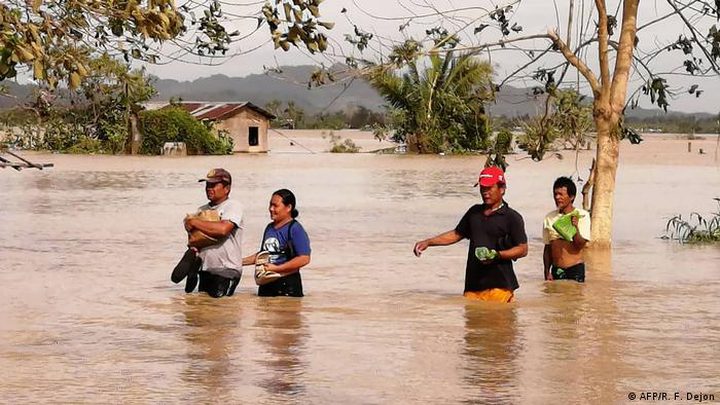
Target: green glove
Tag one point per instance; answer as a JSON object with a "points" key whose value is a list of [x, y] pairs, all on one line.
{"points": [[483, 253]]}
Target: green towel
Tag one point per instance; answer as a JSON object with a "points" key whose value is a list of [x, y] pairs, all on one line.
{"points": [[564, 226], [483, 253]]}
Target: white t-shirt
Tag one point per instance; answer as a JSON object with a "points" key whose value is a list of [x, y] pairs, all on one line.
{"points": [[226, 254], [550, 234]]}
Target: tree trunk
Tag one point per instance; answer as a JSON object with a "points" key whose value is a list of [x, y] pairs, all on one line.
{"points": [[135, 136], [608, 150]]}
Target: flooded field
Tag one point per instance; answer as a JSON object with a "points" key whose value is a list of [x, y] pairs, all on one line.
{"points": [[89, 314]]}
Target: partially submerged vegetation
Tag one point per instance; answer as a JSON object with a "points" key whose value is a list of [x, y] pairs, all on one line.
{"points": [[104, 114], [696, 229], [337, 145]]}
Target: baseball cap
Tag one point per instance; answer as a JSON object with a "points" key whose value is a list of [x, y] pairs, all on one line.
{"points": [[218, 175], [489, 176]]}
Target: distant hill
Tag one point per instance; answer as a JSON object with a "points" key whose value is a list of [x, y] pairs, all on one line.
{"points": [[290, 84], [18, 94]]}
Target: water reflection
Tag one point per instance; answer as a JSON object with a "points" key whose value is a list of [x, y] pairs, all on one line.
{"points": [[211, 326], [491, 349], [579, 342], [283, 337]]}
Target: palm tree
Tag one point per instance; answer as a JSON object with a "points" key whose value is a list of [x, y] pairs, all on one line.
{"points": [[438, 109]]}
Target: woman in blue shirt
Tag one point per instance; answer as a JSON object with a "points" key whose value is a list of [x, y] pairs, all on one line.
{"points": [[288, 244]]}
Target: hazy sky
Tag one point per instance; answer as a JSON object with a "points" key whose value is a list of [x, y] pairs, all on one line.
{"points": [[384, 17]]}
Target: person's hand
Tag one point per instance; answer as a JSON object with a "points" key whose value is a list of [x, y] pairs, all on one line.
{"points": [[420, 247], [187, 222], [574, 220], [271, 267]]}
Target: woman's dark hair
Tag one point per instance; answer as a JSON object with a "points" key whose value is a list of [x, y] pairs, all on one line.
{"points": [[567, 183], [288, 198]]}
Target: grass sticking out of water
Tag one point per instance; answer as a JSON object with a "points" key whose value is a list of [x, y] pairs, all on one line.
{"points": [[696, 229]]}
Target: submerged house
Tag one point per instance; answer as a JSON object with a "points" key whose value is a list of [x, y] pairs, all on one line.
{"points": [[245, 122]]}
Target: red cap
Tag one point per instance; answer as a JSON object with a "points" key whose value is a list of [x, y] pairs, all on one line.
{"points": [[489, 176]]}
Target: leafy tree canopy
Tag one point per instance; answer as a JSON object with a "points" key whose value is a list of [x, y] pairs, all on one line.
{"points": [[54, 39]]}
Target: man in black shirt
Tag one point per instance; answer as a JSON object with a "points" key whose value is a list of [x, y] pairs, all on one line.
{"points": [[497, 228]]}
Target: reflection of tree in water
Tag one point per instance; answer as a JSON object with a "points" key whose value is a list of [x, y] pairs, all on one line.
{"points": [[211, 327], [490, 353], [283, 337]]}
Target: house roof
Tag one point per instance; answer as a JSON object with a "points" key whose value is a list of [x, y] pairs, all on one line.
{"points": [[218, 111]]}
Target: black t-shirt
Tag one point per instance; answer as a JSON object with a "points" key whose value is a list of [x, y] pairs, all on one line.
{"points": [[501, 230]]}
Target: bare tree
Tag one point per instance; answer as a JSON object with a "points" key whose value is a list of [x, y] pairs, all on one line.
{"points": [[618, 61]]}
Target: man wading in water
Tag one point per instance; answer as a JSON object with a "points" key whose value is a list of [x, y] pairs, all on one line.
{"points": [[216, 257], [562, 256], [497, 237]]}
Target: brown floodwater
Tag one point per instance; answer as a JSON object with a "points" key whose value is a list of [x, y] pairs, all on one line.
{"points": [[89, 314]]}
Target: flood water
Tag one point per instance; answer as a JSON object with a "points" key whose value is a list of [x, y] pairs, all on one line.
{"points": [[89, 314]]}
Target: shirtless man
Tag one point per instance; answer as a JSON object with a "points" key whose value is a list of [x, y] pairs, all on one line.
{"points": [[562, 259]]}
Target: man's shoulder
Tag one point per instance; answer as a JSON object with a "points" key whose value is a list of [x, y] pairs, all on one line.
{"points": [[229, 205], [475, 209], [510, 211], [583, 213], [552, 214]]}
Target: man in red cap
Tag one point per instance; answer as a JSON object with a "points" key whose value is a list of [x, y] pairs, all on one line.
{"points": [[497, 237]]}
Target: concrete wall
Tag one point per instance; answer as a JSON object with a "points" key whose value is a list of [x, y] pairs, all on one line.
{"points": [[239, 128]]}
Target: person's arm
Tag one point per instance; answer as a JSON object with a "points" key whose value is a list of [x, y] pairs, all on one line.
{"points": [[248, 260], [444, 239], [215, 229], [518, 236], [290, 266], [547, 262], [514, 252], [577, 241]]}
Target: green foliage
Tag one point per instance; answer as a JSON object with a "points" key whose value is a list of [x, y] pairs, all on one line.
{"points": [[566, 125], [697, 229], [338, 146], [538, 137], [503, 142], [440, 108], [55, 39], [675, 124], [96, 120], [573, 119], [292, 116], [174, 124], [501, 145]]}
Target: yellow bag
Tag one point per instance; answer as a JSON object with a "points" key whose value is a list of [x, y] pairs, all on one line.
{"points": [[197, 238]]}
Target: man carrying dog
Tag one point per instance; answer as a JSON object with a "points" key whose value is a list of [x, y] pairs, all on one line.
{"points": [[218, 251]]}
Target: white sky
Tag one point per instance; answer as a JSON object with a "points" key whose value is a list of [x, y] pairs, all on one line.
{"points": [[383, 18]]}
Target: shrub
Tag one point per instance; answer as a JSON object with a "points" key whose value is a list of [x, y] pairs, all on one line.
{"points": [[347, 146], [174, 124]]}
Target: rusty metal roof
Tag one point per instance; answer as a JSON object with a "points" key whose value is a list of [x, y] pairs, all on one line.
{"points": [[219, 111]]}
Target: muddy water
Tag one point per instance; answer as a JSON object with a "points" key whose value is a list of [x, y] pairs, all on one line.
{"points": [[89, 314]]}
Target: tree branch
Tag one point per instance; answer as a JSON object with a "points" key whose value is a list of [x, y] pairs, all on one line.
{"points": [[603, 38], [575, 61], [692, 29], [500, 43], [625, 51]]}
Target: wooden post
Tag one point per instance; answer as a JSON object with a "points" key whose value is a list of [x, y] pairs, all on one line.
{"points": [[586, 188], [135, 137], [689, 146]]}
